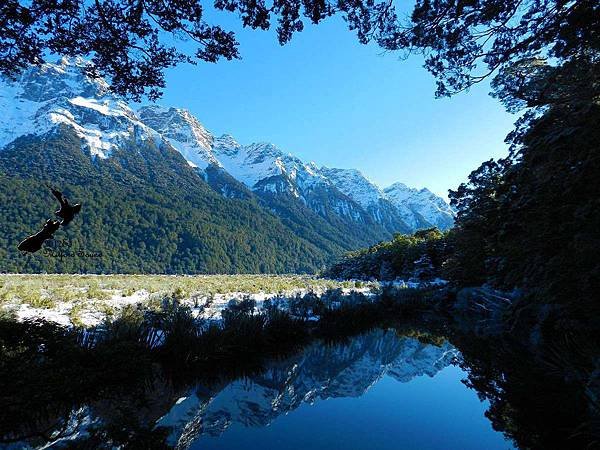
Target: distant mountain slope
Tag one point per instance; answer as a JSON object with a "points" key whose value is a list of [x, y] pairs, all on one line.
{"points": [[162, 194], [354, 184], [297, 191], [145, 210], [262, 167], [420, 208]]}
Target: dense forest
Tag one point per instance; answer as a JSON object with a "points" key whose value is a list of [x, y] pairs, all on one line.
{"points": [[419, 256], [528, 222], [144, 211]]}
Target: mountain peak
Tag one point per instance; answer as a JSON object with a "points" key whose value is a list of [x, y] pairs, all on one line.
{"points": [[183, 131], [226, 145], [51, 95], [355, 185], [257, 163], [396, 186], [423, 203]]}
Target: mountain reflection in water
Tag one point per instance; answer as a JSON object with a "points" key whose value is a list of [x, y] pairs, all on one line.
{"points": [[320, 372], [407, 387]]}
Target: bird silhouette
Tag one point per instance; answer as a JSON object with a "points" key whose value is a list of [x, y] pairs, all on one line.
{"points": [[34, 242], [66, 211]]}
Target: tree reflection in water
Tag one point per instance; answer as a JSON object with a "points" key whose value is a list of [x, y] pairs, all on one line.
{"points": [[57, 390]]}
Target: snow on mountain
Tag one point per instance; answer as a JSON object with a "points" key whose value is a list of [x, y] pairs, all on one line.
{"points": [[367, 194], [248, 164], [416, 208], [255, 162], [45, 97], [183, 131], [420, 203], [53, 95], [319, 373], [355, 185], [263, 167]]}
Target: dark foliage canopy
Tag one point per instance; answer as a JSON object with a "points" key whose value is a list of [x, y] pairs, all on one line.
{"points": [[132, 42], [531, 220], [466, 41]]}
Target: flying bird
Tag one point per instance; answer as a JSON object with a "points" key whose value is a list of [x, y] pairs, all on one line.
{"points": [[34, 242], [67, 211]]}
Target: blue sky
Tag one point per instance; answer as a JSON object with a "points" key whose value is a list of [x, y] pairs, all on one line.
{"points": [[326, 98]]}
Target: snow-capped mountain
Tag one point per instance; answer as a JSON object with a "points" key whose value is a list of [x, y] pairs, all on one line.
{"points": [[419, 206], [264, 168], [319, 373], [261, 167], [183, 131], [54, 95], [330, 210], [367, 194], [64, 129]]}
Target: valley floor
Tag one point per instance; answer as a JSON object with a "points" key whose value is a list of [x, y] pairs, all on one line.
{"points": [[86, 300]]}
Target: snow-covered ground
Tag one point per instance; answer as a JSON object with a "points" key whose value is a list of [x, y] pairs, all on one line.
{"points": [[88, 313], [210, 307], [413, 284], [93, 312]]}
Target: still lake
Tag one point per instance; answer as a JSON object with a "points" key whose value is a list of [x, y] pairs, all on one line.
{"points": [[374, 391]]}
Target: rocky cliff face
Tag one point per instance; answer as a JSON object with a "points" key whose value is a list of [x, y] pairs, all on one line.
{"points": [[420, 207], [45, 98]]}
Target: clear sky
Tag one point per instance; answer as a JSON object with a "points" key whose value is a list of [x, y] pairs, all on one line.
{"points": [[326, 98]]}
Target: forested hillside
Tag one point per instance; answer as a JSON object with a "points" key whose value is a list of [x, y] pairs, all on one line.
{"points": [[145, 210], [528, 222], [419, 256]]}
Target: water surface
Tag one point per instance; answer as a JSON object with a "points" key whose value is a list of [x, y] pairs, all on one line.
{"points": [[377, 391], [417, 386]]}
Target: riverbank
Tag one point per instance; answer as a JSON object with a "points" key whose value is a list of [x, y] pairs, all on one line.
{"points": [[119, 385], [46, 368], [88, 300], [52, 371]]}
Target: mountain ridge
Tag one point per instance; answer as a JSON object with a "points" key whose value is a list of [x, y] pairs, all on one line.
{"points": [[255, 162], [66, 128]]}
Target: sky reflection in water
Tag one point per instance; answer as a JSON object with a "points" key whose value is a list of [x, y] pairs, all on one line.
{"points": [[376, 391]]}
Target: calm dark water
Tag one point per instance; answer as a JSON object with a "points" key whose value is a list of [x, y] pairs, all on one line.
{"points": [[376, 391], [385, 389], [424, 413]]}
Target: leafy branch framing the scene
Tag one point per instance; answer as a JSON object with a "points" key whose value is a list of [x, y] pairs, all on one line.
{"points": [[132, 42]]}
